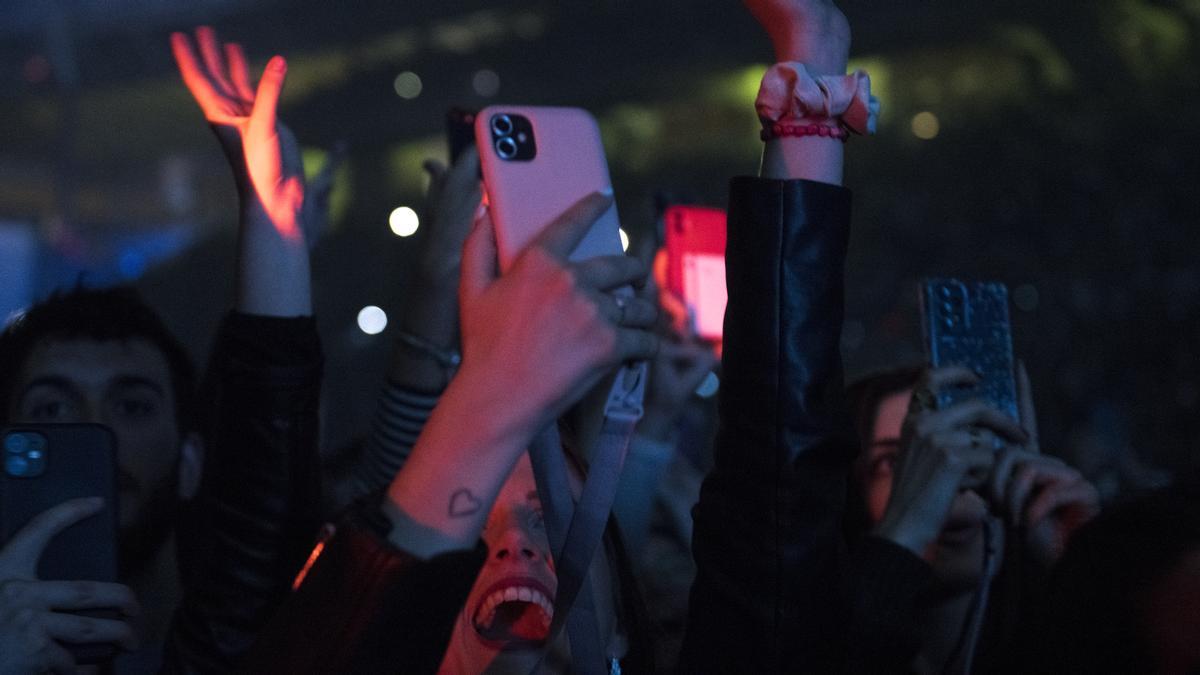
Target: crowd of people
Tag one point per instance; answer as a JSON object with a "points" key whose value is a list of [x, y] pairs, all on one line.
{"points": [[797, 525]]}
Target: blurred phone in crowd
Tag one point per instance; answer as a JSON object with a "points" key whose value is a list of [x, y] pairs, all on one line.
{"points": [[537, 162], [460, 131], [695, 270], [46, 465], [966, 324]]}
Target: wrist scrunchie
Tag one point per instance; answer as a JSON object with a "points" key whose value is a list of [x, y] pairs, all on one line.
{"points": [[789, 91]]}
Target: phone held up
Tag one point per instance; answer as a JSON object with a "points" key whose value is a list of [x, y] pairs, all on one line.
{"points": [[537, 162], [45, 465], [695, 243], [966, 324]]}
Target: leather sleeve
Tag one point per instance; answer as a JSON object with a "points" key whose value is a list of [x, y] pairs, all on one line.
{"points": [[768, 542], [884, 584], [366, 607], [254, 520]]}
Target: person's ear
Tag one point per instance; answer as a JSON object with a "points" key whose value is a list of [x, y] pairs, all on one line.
{"points": [[191, 465]]}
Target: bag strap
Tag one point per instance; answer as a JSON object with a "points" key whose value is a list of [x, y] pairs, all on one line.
{"points": [[575, 530]]}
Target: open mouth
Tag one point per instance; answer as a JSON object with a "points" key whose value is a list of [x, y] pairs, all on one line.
{"points": [[514, 615]]}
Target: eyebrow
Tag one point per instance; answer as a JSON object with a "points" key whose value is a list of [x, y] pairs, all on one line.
{"points": [[53, 381], [139, 381]]}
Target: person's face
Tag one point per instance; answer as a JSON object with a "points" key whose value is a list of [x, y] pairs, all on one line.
{"points": [[506, 618], [122, 384], [958, 553]]}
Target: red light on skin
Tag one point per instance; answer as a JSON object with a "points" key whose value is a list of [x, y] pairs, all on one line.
{"points": [[326, 533]]}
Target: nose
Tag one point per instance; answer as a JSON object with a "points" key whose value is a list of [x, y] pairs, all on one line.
{"points": [[515, 544]]}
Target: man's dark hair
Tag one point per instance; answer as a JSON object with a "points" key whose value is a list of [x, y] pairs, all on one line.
{"points": [[104, 315]]}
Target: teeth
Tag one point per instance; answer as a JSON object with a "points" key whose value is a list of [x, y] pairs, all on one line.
{"points": [[487, 610]]}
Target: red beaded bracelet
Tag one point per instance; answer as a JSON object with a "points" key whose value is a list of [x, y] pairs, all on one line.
{"points": [[781, 129]]}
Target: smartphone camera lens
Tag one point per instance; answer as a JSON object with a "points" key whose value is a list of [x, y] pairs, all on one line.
{"points": [[502, 125], [16, 465], [506, 148], [16, 443]]}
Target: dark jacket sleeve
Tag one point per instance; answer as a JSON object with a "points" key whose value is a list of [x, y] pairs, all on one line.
{"points": [[884, 584], [255, 518], [768, 542], [366, 607]]}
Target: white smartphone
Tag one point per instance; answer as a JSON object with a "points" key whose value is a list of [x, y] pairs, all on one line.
{"points": [[537, 162]]}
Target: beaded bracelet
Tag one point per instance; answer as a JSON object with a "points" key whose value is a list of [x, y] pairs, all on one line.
{"points": [[782, 129]]}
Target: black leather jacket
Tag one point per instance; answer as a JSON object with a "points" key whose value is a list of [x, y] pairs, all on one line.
{"points": [[256, 516], [768, 542]]}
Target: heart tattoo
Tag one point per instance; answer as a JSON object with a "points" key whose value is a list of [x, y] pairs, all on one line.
{"points": [[463, 504]]}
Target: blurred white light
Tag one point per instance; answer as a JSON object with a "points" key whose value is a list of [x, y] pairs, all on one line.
{"points": [[925, 126], [372, 320], [407, 85], [486, 83], [404, 222], [624, 239]]}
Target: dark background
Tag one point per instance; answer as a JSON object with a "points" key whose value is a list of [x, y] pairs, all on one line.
{"points": [[1064, 163]]}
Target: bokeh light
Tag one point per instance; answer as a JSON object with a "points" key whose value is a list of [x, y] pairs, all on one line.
{"points": [[925, 126], [407, 85], [404, 222], [372, 320], [486, 83]]}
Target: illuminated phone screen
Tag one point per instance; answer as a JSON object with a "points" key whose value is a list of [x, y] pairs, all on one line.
{"points": [[704, 288]]}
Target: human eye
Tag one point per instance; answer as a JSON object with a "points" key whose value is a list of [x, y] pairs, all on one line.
{"points": [[50, 410], [135, 407]]}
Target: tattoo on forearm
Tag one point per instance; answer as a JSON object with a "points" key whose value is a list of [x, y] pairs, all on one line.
{"points": [[463, 504]]}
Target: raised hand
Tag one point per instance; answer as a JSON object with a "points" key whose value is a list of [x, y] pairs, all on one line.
{"points": [[246, 122], [549, 326], [1042, 497], [451, 202], [35, 615], [677, 370], [534, 341], [941, 451], [813, 32]]}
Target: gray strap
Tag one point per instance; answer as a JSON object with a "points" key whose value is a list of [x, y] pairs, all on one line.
{"points": [[575, 531]]}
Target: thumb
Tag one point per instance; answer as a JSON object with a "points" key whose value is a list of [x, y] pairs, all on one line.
{"points": [[266, 101], [479, 266], [22, 552]]}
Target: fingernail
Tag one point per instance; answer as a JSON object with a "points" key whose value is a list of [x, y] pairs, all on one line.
{"points": [[278, 64], [480, 211], [607, 191]]}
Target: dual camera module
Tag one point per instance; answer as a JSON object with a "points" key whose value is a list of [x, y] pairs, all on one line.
{"points": [[512, 137], [24, 454]]}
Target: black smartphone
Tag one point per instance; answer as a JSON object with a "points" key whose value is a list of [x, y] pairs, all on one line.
{"points": [[46, 465], [460, 131], [966, 324]]}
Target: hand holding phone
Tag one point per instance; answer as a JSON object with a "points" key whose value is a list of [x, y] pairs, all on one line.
{"points": [[39, 619], [58, 522]]}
